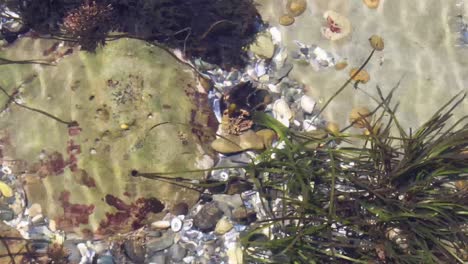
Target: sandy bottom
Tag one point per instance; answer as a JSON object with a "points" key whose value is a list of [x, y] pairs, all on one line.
{"points": [[421, 50]]}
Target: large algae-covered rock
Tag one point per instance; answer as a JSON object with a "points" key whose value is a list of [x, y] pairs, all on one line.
{"points": [[79, 172]]}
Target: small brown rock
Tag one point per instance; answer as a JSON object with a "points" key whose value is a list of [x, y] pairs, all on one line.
{"points": [[180, 209], [362, 76], [286, 20], [377, 42], [341, 65], [372, 4], [296, 7]]}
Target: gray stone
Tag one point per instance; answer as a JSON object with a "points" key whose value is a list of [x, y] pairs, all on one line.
{"points": [[134, 250], [6, 214], [160, 243], [227, 202], [159, 258], [105, 259], [177, 252]]}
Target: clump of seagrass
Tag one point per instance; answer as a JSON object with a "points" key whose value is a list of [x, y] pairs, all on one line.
{"points": [[89, 24], [394, 199]]}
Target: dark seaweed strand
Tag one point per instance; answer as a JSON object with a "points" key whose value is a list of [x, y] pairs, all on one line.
{"points": [[36, 110]]}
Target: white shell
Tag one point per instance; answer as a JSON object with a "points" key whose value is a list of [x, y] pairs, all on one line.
{"points": [[282, 112], [342, 23], [307, 104], [176, 224]]}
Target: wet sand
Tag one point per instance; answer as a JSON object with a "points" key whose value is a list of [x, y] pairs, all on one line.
{"points": [[420, 50]]}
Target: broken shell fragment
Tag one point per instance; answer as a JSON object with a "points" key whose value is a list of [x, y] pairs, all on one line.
{"points": [[338, 26], [359, 117], [286, 20], [362, 76], [372, 4], [377, 42], [296, 7]]}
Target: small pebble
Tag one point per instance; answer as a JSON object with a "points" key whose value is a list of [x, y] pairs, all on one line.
{"points": [[161, 224], [296, 7], [124, 126], [286, 20], [377, 42], [362, 76], [372, 4], [341, 65], [223, 226]]}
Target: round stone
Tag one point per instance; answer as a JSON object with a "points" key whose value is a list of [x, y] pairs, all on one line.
{"points": [[286, 20], [372, 4], [362, 76], [376, 42], [296, 7]]}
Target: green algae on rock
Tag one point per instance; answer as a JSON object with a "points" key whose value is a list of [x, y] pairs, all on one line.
{"points": [[79, 173]]}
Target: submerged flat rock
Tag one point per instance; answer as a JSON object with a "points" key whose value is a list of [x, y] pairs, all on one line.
{"points": [[80, 172]]}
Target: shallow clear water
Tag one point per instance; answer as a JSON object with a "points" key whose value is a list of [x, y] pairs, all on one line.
{"points": [[121, 93], [422, 49]]}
